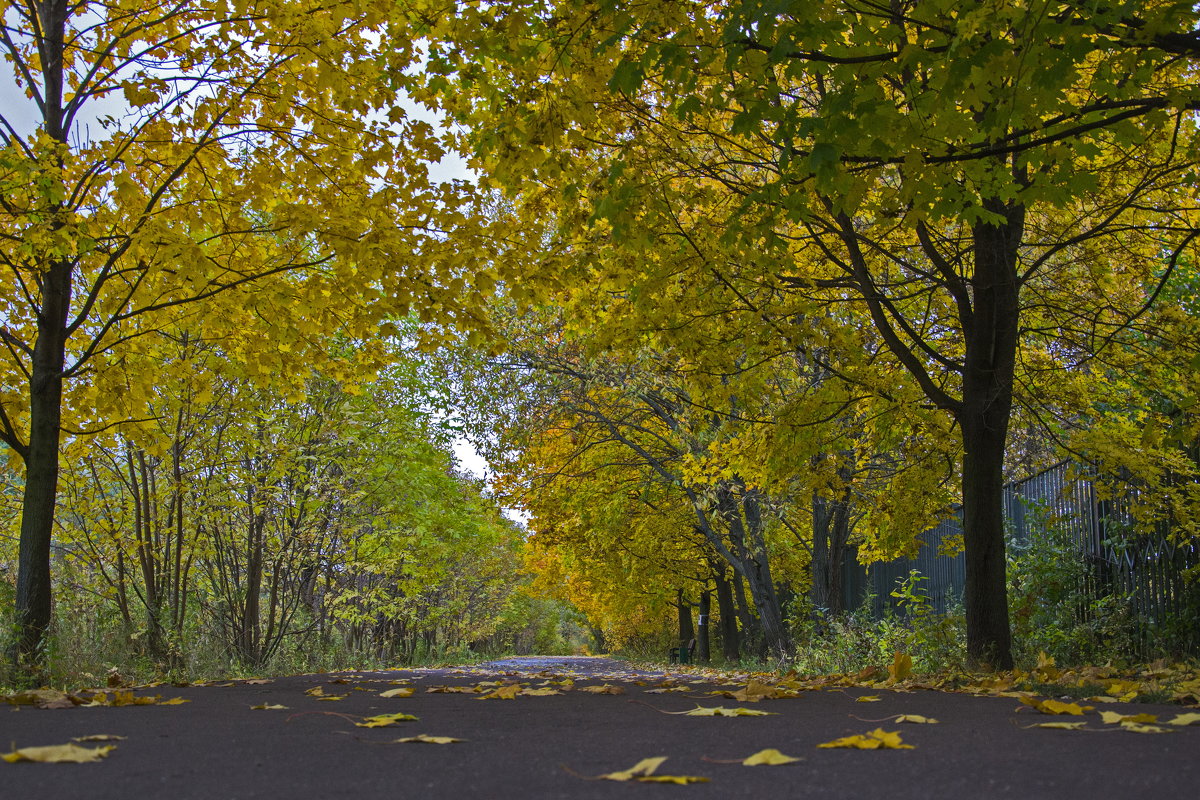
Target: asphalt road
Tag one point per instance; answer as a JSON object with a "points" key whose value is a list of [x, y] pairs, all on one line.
{"points": [[217, 746]]}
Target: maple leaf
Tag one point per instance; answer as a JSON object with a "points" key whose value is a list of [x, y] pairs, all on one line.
{"points": [[1055, 706], [917, 718], [878, 739], [868, 698], [1117, 718], [425, 738], [1190, 718], [546, 692], [607, 688], [405, 691], [509, 692], [769, 757], [720, 711], [900, 668], [1137, 727], [58, 754], [643, 772], [385, 720], [174, 701]]}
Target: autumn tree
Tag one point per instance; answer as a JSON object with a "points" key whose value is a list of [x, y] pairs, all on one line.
{"points": [[246, 166], [964, 179]]}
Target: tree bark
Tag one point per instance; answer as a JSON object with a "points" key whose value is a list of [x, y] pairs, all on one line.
{"points": [[991, 335], [730, 646], [703, 649]]}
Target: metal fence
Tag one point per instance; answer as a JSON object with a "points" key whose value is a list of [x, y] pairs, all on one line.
{"points": [[1144, 570]]}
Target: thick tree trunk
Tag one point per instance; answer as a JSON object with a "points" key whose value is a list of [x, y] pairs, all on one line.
{"points": [[686, 631], [33, 597], [831, 531], [991, 344]]}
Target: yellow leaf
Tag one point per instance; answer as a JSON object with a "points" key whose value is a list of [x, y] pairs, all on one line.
{"points": [[385, 720], [258, 681], [406, 691], [427, 739], [1190, 718], [754, 692], [1137, 727], [1055, 706], [607, 688], [265, 707], [99, 737], [509, 692], [682, 780], [1066, 726], [332, 698], [720, 711], [868, 698], [643, 768], [174, 701], [900, 668], [316, 691], [916, 718], [539, 692], [58, 754], [878, 739], [1117, 718], [769, 757]]}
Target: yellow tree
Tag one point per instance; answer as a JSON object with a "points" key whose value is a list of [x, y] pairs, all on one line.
{"points": [[949, 173], [246, 165]]}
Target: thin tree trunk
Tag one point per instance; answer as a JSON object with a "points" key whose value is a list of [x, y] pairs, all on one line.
{"points": [[703, 616]]}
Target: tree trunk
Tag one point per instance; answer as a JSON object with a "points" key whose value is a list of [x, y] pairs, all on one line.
{"points": [[831, 532], [33, 596], [703, 650], [686, 630], [991, 335], [730, 646]]}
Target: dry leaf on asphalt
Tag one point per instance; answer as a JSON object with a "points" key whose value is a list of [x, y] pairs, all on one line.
{"points": [[99, 737], [174, 701], [258, 681], [643, 772], [265, 707], [1137, 727], [607, 688], [1117, 718], [385, 720], [1055, 706], [868, 698], [720, 711], [917, 718], [58, 754], [427, 739], [1062, 726], [769, 757], [1190, 718], [546, 692], [878, 739], [509, 692], [404, 691]]}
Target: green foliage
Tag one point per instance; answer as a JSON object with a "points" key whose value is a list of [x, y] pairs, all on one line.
{"points": [[1052, 611]]}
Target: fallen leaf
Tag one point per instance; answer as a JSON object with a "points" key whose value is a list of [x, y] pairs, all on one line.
{"points": [[174, 701], [1190, 718], [769, 757], [900, 668], [427, 739], [1065, 726], [1137, 727], [265, 707], [315, 691], [120, 698], [916, 718], [607, 688], [58, 754], [878, 739], [509, 692], [643, 772], [332, 698], [1055, 706], [1117, 718], [406, 691], [258, 681], [868, 698], [385, 720], [720, 711], [546, 692], [451, 690], [99, 737]]}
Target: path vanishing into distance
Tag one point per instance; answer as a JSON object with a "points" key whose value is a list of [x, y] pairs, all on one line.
{"points": [[548, 727]]}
